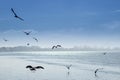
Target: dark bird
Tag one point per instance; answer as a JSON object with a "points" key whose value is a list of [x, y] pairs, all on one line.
{"points": [[15, 15], [53, 47], [59, 46], [28, 44], [68, 66], [29, 66], [35, 39], [39, 67], [27, 33], [97, 71], [104, 53], [34, 68], [5, 40]]}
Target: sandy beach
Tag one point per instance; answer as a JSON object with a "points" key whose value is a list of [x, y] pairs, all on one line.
{"points": [[14, 68]]}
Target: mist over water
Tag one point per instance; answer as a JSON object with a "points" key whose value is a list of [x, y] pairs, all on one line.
{"points": [[85, 57]]}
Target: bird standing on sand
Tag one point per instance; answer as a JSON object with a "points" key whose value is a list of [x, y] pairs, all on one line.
{"points": [[15, 15]]}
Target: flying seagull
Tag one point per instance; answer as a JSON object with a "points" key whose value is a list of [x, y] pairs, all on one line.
{"points": [[104, 53], [28, 44], [15, 15], [35, 39], [53, 47], [5, 40], [68, 66], [97, 71], [34, 68], [27, 33]]}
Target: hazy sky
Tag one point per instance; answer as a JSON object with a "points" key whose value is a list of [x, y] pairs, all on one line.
{"points": [[66, 22]]}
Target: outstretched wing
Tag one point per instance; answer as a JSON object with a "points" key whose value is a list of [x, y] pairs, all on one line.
{"points": [[35, 39], [29, 66], [20, 18], [16, 15], [27, 33], [13, 12], [59, 46], [53, 47], [38, 67]]}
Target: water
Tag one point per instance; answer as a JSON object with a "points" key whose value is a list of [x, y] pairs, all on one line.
{"points": [[81, 61]]}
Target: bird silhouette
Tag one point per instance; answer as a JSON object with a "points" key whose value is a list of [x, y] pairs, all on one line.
{"points": [[15, 15], [68, 66], [27, 33], [97, 71], [104, 53], [5, 40], [53, 47], [34, 68], [35, 39], [28, 44]]}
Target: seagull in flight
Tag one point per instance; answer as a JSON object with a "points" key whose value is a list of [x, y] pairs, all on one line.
{"points": [[34, 68], [53, 47], [5, 40], [104, 53], [27, 33], [15, 15], [68, 66], [28, 44], [97, 71], [35, 39]]}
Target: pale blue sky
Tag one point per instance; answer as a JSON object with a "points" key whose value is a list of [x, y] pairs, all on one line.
{"points": [[66, 22]]}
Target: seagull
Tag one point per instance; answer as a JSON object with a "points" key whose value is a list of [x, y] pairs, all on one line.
{"points": [[104, 53], [27, 33], [53, 47], [34, 68], [15, 15], [28, 44], [5, 40], [35, 39], [68, 66], [97, 71]]}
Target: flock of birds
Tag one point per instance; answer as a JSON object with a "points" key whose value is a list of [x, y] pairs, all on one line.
{"points": [[28, 32], [31, 68]]}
